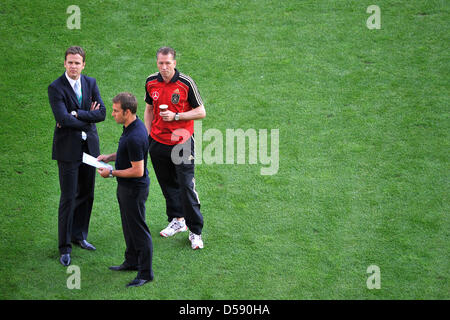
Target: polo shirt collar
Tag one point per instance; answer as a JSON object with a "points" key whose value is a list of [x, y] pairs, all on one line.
{"points": [[174, 78], [130, 126]]}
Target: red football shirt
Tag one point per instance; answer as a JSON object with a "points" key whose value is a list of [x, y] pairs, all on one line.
{"points": [[181, 95]]}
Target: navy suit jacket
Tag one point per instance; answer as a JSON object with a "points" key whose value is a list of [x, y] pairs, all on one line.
{"points": [[67, 142]]}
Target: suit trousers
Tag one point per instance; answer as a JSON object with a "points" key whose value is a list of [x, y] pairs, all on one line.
{"points": [[138, 240], [77, 182], [177, 182]]}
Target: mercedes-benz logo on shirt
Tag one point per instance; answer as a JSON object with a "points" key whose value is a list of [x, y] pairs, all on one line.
{"points": [[155, 95]]}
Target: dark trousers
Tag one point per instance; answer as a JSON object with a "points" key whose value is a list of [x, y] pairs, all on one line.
{"points": [[177, 182], [138, 240], [77, 182]]}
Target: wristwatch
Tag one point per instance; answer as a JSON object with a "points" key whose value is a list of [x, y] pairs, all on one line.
{"points": [[74, 113], [177, 116], [110, 173]]}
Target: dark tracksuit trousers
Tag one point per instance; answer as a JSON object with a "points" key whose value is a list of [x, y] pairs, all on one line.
{"points": [[177, 182]]}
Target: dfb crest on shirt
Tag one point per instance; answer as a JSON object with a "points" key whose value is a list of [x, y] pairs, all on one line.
{"points": [[175, 97]]}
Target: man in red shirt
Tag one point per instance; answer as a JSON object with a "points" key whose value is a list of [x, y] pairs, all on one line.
{"points": [[167, 130]]}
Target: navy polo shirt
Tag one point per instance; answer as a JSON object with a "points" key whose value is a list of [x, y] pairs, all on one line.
{"points": [[133, 146]]}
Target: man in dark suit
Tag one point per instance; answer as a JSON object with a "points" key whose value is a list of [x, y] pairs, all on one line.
{"points": [[77, 105]]}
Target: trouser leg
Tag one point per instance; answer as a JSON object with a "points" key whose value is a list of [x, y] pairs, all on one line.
{"points": [[137, 235], [83, 202], [188, 194], [68, 180], [167, 177], [131, 255]]}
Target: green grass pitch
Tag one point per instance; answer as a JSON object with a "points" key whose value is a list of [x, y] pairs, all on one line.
{"points": [[363, 172]]}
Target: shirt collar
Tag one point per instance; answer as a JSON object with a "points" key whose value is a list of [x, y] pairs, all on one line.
{"points": [[174, 78], [130, 126], [71, 81]]}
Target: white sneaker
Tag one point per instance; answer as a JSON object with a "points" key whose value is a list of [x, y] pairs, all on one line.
{"points": [[196, 241], [174, 227]]}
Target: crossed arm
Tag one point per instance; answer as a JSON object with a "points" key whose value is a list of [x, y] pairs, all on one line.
{"points": [[83, 118]]}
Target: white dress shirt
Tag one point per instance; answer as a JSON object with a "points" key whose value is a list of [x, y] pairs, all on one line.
{"points": [[72, 84]]}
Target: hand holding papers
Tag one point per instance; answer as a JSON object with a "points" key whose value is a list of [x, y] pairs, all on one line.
{"points": [[92, 161]]}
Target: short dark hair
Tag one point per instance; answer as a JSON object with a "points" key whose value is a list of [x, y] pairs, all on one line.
{"points": [[76, 50], [165, 51], [127, 101]]}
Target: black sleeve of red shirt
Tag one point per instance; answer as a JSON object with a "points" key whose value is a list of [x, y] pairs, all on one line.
{"points": [[148, 99], [194, 99]]}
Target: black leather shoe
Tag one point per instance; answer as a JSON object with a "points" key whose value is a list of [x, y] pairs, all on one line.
{"points": [[137, 283], [123, 267], [65, 259], [85, 245]]}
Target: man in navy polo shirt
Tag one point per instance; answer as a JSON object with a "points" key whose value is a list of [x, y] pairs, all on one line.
{"points": [[132, 188]]}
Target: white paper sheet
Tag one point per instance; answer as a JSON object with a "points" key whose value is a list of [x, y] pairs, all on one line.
{"points": [[92, 161]]}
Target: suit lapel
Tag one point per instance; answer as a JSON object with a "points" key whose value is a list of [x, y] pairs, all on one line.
{"points": [[84, 91]]}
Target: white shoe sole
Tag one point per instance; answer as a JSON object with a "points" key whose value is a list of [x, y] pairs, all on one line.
{"points": [[197, 246], [165, 235]]}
